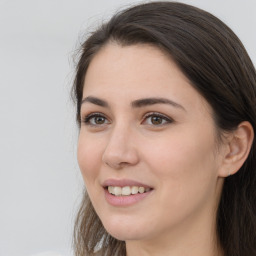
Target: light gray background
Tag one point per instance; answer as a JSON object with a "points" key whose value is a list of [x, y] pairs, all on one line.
{"points": [[40, 183]]}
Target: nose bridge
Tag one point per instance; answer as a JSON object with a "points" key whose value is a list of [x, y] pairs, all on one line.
{"points": [[120, 149]]}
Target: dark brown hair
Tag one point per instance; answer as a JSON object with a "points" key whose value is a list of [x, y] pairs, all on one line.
{"points": [[215, 61]]}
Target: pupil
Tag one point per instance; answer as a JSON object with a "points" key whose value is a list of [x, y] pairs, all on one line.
{"points": [[156, 120], [99, 120]]}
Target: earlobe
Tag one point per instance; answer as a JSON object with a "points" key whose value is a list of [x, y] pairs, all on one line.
{"points": [[239, 144]]}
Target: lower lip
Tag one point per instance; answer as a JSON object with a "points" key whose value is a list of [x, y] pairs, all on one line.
{"points": [[125, 200]]}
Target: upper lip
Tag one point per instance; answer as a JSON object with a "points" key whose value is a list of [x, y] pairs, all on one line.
{"points": [[123, 183]]}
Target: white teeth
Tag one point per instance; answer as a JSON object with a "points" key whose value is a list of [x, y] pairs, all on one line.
{"points": [[141, 190], [110, 190], [135, 190], [126, 191], [117, 191]]}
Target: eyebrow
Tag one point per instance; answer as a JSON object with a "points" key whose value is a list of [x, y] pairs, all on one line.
{"points": [[135, 104], [95, 101], [152, 101]]}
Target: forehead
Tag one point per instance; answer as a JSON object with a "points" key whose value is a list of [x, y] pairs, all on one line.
{"points": [[130, 64], [137, 71]]}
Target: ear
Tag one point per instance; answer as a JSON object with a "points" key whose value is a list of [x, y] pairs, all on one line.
{"points": [[237, 149]]}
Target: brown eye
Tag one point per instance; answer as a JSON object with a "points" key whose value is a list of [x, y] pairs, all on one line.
{"points": [[156, 120], [99, 120], [96, 119]]}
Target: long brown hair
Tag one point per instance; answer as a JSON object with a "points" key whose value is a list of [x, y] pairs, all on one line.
{"points": [[218, 66]]}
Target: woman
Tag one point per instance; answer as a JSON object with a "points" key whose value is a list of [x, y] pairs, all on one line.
{"points": [[165, 96]]}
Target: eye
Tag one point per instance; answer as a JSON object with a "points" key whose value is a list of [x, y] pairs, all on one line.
{"points": [[157, 119], [95, 119]]}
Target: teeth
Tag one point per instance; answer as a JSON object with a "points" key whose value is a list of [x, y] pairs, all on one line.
{"points": [[135, 190], [117, 191], [141, 190], [126, 191]]}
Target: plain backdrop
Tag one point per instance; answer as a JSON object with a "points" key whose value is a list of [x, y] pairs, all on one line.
{"points": [[40, 183]]}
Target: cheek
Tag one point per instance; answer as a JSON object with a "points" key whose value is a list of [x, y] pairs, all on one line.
{"points": [[184, 169], [183, 161], [177, 150], [89, 158]]}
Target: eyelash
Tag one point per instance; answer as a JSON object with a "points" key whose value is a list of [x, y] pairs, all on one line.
{"points": [[166, 119], [88, 118]]}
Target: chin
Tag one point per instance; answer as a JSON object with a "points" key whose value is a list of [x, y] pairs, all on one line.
{"points": [[123, 235], [124, 230]]}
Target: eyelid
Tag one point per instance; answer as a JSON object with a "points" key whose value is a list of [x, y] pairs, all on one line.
{"points": [[86, 119], [166, 118]]}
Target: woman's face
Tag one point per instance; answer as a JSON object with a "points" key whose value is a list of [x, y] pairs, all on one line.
{"points": [[144, 127]]}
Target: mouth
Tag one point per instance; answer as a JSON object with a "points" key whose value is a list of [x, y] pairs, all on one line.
{"points": [[127, 190]]}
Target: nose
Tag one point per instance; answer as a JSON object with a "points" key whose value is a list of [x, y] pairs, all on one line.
{"points": [[120, 150]]}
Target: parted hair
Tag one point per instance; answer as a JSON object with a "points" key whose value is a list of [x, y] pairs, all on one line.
{"points": [[214, 60]]}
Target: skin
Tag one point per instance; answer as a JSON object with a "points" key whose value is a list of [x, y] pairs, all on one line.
{"points": [[180, 158]]}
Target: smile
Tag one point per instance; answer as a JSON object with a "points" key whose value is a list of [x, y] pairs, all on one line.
{"points": [[127, 190]]}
